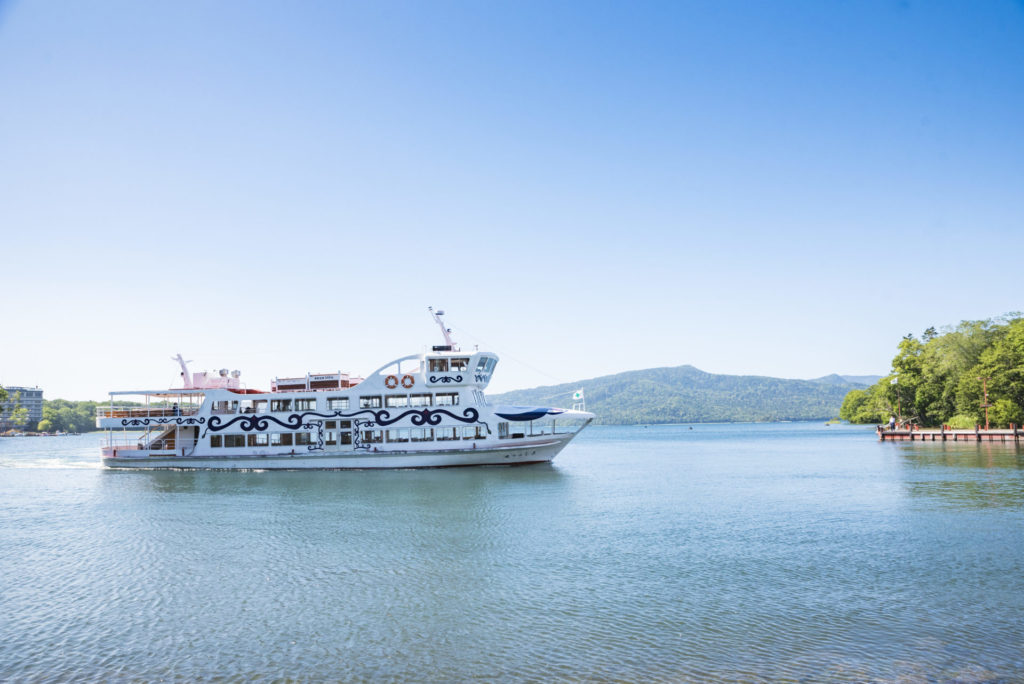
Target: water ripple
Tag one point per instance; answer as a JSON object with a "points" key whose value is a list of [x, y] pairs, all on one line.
{"points": [[694, 560]]}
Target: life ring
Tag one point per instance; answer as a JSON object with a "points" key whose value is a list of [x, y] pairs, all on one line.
{"points": [[408, 381], [391, 382]]}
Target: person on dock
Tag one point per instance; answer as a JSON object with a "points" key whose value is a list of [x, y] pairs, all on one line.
{"points": [[892, 423]]}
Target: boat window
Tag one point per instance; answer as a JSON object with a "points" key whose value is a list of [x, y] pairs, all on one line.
{"points": [[330, 424], [410, 366], [337, 403], [346, 425], [420, 399], [261, 439], [423, 434], [254, 406], [330, 438], [446, 434], [369, 402], [481, 432], [398, 435], [438, 365], [224, 407], [390, 369], [502, 430], [281, 439], [305, 404], [447, 399], [280, 405], [469, 433], [396, 401], [216, 440], [460, 364], [373, 436], [234, 440], [346, 437]]}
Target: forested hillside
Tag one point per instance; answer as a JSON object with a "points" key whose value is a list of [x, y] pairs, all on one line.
{"points": [[685, 394], [942, 378]]}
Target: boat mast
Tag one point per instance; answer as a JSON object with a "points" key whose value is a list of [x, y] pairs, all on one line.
{"points": [[444, 331], [184, 370]]}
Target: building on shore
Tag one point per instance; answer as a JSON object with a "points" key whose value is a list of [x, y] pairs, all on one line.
{"points": [[31, 399]]}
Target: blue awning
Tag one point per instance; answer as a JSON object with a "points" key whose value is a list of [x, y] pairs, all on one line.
{"points": [[527, 413]]}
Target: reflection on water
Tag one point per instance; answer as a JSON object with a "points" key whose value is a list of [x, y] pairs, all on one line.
{"points": [[723, 553], [973, 475], [962, 454], [332, 485]]}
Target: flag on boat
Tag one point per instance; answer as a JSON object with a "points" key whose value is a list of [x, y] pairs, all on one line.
{"points": [[578, 395]]}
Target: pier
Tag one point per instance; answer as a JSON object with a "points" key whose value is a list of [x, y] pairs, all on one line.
{"points": [[947, 434]]}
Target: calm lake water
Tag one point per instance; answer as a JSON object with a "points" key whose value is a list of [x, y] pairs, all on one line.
{"points": [[783, 552]]}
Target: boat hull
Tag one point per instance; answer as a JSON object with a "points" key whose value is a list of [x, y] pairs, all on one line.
{"points": [[513, 454]]}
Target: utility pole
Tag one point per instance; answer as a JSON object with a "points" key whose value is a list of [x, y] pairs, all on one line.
{"points": [[985, 405], [899, 409]]}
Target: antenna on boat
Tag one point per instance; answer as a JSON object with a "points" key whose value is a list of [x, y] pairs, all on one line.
{"points": [[184, 370], [444, 331]]}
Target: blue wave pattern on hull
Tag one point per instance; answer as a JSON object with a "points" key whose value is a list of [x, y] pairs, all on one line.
{"points": [[311, 420]]}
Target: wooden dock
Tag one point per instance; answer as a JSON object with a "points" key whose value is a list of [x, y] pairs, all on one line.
{"points": [[947, 434]]}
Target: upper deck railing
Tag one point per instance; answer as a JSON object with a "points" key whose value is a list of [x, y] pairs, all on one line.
{"points": [[144, 411]]}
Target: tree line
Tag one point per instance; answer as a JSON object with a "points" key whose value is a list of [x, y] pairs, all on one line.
{"points": [[942, 377], [61, 415]]}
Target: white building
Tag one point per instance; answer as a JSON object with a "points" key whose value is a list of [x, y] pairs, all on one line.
{"points": [[31, 399]]}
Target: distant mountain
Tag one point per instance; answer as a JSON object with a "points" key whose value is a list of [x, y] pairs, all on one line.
{"points": [[863, 380], [685, 394], [866, 380]]}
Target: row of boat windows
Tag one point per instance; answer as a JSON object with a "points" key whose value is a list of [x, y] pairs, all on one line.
{"points": [[268, 439], [336, 403], [332, 437], [440, 434], [459, 364]]}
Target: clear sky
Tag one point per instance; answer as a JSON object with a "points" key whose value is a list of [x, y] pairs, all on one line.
{"points": [[772, 188]]}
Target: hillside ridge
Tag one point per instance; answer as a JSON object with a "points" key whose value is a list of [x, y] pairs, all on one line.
{"points": [[686, 394]]}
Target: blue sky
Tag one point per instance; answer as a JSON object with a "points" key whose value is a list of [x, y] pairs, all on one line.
{"points": [[586, 187]]}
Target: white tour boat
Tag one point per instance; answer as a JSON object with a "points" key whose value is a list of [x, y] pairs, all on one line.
{"points": [[427, 410]]}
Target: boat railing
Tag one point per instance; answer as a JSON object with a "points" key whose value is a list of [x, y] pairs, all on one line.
{"points": [[145, 412], [159, 445]]}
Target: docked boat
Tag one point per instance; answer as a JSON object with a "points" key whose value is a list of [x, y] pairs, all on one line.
{"points": [[426, 410]]}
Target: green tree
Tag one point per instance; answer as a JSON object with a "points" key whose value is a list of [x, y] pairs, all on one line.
{"points": [[906, 378], [1003, 364], [938, 379], [864, 406], [16, 414], [946, 361], [69, 416], [1004, 412]]}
